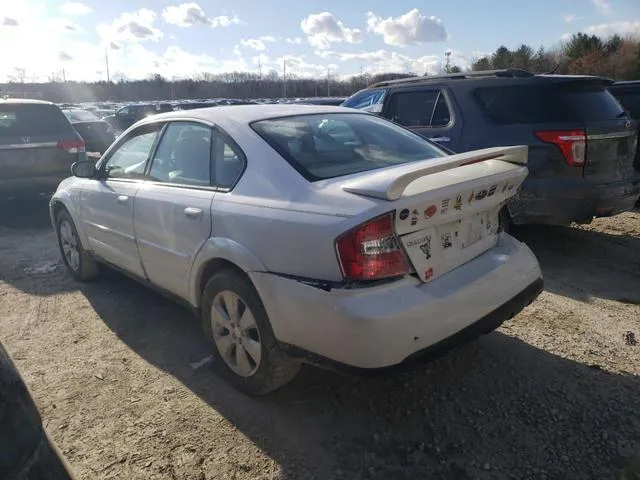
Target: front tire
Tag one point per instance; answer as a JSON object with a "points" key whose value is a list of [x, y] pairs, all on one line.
{"points": [[245, 350], [78, 262]]}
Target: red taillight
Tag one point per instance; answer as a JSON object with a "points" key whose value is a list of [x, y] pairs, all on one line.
{"points": [[72, 146], [572, 144], [372, 251]]}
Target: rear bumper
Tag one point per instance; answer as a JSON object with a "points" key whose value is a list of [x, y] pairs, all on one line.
{"points": [[557, 202], [382, 326]]}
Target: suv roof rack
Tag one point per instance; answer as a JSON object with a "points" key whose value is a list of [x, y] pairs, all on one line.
{"points": [[506, 73]]}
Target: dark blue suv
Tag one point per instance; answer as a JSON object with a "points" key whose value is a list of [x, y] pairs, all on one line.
{"points": [[581, 141]]}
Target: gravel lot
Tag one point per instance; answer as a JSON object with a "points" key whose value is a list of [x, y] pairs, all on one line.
{"points": [[554, 394]]}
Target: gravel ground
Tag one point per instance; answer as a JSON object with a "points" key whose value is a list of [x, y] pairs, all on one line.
{"points": [[553, 394]]}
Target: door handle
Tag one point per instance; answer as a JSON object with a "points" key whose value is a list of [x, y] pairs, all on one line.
{"points": [[440, 139], [123, 199], [193, 212]]}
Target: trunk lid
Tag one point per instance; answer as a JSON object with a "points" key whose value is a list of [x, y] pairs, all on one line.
{"points": [[446, 209]]}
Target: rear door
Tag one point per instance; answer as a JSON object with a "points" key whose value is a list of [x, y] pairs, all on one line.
{"points": [[428, 111], [37, 145], [629, 97], [172, 215], [611, 134]]}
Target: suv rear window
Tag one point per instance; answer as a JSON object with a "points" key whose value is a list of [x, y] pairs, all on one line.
{"points": [[21, 119], [330, 145], [553, 103], [630, 101]]}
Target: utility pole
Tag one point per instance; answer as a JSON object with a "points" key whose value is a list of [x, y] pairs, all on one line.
{"points": [[64, 76], [328, 83], [106, 62], [284, 78]]}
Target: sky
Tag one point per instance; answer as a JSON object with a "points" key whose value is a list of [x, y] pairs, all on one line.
{"points": [[45, 40]]}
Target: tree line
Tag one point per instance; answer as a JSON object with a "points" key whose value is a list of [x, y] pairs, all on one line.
{"points": [[615, 57], [582, 54]]}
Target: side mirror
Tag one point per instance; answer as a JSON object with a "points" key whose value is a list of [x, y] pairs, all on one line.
{"points": [[83, 169]]}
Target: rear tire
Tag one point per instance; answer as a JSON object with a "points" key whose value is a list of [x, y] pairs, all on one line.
{"points": [[245, 349], [79, 263]]}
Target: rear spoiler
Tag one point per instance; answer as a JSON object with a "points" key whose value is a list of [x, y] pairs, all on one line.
{"points": [[390, 183]]}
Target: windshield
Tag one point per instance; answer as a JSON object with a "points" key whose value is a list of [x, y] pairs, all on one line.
{"points": [[81, 116], [330, 145]]}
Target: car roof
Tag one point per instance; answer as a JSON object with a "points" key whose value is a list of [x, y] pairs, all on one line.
{"points": [[248, 113], [26, 101]]}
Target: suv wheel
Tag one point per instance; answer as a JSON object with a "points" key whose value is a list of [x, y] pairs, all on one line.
{"points": [[246, 352], [78, 262]]}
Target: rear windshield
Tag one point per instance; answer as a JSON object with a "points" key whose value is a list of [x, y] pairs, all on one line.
{"points": [[32, 119], [548, 103], [330, 145], [81, 116]]}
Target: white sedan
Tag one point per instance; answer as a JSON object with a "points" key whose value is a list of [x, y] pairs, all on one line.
{"points": [[303, 234]]}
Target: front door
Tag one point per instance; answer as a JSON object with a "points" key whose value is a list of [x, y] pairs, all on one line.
{"points": [[172, 212], [107, 203], [428, 111]]}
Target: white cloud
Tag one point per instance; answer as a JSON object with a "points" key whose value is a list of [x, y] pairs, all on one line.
{"points": [[322, 29], [191, 14], [258, 44], [570, 18], [603, 6], [131, 27], [381, 61], [412, 28], [9, 22], [620, 28], [294, 41], [74, 8]]}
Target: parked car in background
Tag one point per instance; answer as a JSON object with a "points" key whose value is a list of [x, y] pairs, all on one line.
{"points": [[129, 114], [303, 233], [38, 145], [97, 133], [26, 451], [628, 94], [581, 142], [335, 101]]}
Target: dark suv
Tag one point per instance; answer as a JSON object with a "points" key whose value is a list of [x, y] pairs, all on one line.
{"points": [[581, 141], [628, 94], [38, 145]]}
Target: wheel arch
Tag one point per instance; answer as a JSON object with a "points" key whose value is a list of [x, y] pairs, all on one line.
{"points": [[59, 203], [215, 255]]}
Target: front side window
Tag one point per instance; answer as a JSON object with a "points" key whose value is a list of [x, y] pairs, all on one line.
{"points": [[420, 108], [130, 157], [330, 145], [183, 155]]}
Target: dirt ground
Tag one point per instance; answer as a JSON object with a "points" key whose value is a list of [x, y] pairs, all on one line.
{"points": [[554, 394]]}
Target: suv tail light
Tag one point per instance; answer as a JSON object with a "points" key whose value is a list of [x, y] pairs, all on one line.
{"points": [[72, 146], [372, 251], [572, 144]]}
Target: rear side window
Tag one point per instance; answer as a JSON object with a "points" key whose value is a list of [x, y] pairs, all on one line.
{"points": [[421, 108], [330, 145], [32, 119]]}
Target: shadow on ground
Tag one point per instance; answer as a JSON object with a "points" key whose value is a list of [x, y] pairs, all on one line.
{"points": [[584, 263], [498, 408], [30, 213]]}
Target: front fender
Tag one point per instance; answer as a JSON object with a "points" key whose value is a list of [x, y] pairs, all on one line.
{"points": [[65, 198], [218, 248]]}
